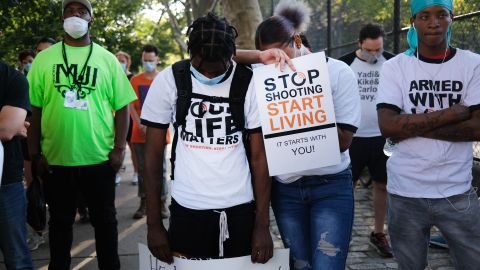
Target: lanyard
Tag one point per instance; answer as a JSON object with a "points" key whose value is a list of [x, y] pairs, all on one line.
{"points": [[78, 81]]}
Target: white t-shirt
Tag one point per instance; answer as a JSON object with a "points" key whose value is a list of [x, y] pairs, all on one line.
{"points": [[421, 167], [368, 77], [211, 167], [346, 103]]}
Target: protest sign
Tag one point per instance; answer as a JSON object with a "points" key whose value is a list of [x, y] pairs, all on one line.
{"points": [[280, 261], [297, 115]]}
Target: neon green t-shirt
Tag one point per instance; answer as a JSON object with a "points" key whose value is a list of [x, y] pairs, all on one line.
{"points": [[82, 135]]}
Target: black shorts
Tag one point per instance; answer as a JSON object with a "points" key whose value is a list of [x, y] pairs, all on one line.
{"points": [[368, 152], [195, 233]]}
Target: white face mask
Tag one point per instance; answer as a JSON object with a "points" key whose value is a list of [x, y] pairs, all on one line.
{"points": [[370, 58], [75, 27]]}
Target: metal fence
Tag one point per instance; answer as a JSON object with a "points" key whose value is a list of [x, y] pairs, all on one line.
{"points": [[331, 31], [466, 35], [335, 24]]}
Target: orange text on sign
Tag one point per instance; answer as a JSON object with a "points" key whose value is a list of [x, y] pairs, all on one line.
{"points": [[293, 113]]}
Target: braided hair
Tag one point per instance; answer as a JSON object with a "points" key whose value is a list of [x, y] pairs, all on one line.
{"points": [[212, 38]]}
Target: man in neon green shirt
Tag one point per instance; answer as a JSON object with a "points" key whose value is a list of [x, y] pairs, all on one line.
{"points": [[79, 95]]}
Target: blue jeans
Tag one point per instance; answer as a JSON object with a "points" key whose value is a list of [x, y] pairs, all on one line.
{"points": [[13, 228], [315, 217], [457, 217]]}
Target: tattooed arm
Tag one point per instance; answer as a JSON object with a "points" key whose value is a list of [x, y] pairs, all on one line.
{"points": [[468, 130], [403, 126]]}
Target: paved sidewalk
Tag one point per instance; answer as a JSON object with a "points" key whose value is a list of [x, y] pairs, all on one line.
{"points": [[132, 232]]}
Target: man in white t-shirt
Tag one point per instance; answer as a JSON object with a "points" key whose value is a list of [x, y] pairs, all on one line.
{"points": [[213, 213], [366, 149], [429, 103]]}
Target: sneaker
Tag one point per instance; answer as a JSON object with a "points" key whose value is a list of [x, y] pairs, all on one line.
{"points": [[438, 241], [135, 179], [379, 241], [118, 179], [35, 240]]}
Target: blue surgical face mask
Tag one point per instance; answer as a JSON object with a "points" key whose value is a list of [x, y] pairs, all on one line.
{"points": [[28, 66], [124, 66], [201, 78], [149, 66]]}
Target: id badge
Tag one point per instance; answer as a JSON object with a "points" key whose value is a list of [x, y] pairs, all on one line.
{"points": [[70, 99], [81, 105]]}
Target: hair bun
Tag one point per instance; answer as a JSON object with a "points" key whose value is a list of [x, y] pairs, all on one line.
{"points": [[296, 12]]}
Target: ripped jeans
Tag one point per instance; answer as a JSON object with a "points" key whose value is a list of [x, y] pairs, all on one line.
{"points": [[315, 218]]}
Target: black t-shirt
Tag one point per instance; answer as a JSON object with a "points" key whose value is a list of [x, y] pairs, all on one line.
{"points": [[13, 92]]}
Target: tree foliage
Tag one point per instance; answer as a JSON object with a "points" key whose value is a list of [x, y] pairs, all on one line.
{"points": [[117, 25], [120, 25], [24, 22], [348, 16]]}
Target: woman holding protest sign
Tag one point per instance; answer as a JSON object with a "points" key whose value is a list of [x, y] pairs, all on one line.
{"points": [[314, 208]]}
